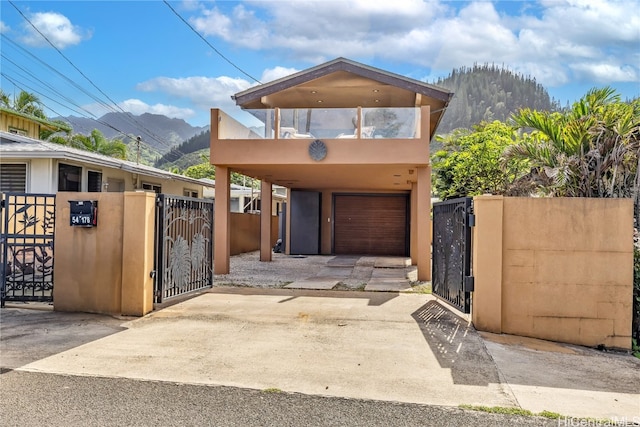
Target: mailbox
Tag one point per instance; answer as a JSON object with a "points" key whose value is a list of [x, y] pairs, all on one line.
{"points": [[84, 213]]}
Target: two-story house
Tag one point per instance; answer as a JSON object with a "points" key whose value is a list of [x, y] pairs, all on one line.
{"points": [[351, 143]]}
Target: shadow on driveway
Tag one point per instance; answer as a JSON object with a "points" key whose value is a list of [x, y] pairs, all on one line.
{"points": [[28, 334], [456, 345]]}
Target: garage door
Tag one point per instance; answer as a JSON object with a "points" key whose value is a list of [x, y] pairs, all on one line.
{"points": [[371, 224]]}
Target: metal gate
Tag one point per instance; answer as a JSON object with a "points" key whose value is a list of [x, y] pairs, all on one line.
{"points": [[183, 246], [26, 247], [451, 278]]}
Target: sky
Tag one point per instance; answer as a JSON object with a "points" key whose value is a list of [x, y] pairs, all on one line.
{"points": [[182, 58]]}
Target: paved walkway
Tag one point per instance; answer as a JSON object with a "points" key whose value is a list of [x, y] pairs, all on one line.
{"points": [[361, 273]]}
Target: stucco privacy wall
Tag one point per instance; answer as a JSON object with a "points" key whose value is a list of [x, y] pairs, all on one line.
{"points": [[559, 269], [245, 232], [105, 269]]}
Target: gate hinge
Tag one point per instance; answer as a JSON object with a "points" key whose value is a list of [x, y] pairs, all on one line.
{"points": [[468, 285], [471, 220]]}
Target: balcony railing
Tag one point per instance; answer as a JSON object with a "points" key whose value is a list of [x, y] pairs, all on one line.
{"points": [[322, 123]]}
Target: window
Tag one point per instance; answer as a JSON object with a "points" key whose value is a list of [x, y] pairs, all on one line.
{"points": [[69, 177], [17, 131], [94, 181], [152, 187], [13, 177], [190, 193]]}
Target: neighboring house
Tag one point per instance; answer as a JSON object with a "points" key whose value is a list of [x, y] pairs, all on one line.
{"points": [[26, 125], [35, 166], [246, 199], [351, 142]]}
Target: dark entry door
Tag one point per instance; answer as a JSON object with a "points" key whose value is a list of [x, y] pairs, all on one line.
{"points": [[451, 279], [305, 222], [371, 224]]}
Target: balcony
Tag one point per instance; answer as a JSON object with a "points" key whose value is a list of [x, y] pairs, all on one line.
{"points": [[321, 123]]}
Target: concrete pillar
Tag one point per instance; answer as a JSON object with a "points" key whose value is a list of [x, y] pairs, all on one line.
{"points": [[423, 223], [265, 221], [137, 253], [222, 218], [413, 232]]}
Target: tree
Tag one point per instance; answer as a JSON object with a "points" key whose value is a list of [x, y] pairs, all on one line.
{"points": [[590, 150], [470, 162], [97, 143]]}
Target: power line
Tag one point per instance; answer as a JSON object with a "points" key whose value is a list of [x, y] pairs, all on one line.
{"points": [[127, 117], [210, 45]]}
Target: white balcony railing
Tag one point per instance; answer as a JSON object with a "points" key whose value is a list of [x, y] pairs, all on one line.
{"points": [[322, 123]]}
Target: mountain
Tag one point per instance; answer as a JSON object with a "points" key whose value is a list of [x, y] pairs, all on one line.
{"points": [[488, 92], [159, 132], [182, 155]]}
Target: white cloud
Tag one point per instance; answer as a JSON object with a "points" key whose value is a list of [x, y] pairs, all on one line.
{"points": [[4, 28], [204, 92], [137, 107], [555, 39], [57, 28], [276, 73]]}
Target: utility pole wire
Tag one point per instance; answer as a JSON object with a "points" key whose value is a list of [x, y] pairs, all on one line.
{"points": [[210, 45]]}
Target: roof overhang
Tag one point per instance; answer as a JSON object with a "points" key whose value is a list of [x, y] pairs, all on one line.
{"points": [[343, 83]]}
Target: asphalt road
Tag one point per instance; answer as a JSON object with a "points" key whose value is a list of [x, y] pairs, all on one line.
{"points": [[36, 399]]}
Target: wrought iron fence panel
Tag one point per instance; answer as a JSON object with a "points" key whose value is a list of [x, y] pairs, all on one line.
{"points": [[452, 252], [26, 247], [184, 245]]}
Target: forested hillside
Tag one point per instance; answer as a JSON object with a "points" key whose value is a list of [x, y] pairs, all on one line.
{"points": [[488, 92], [174, 157]]}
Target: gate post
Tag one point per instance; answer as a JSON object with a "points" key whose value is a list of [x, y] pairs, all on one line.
{"points": [[486, 309], [222, 221], [137, 253]]}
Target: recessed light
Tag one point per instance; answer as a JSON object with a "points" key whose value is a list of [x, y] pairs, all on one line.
{"points": [[314, 91], [319, 101], [377, 100], [376, 91]]}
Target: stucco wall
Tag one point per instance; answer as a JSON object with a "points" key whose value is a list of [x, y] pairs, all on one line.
{"points": [[245, 232], [100, 269], [559, 269]]}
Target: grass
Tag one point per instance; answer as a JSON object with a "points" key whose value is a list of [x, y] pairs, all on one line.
{"points": [[421, 288], [527, 413], [272, 390]]}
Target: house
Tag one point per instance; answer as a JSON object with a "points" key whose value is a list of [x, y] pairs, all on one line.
{"points": [[34, 166], [247, 199], [351, 143], [12, 121]]}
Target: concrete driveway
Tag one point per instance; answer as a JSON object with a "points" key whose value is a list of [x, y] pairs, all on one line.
{"points": [[369, 345]]}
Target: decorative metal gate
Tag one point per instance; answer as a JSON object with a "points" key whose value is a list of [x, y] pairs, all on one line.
{"points": [[183, 246], [451, 279], [26, 247]]}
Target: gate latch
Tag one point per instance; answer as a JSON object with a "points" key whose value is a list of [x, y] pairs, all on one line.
{"points": [[468, 284]]}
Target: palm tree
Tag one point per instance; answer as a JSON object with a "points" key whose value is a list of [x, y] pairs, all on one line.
{"points": [[97, 143], [590, 150], [28, 103]]}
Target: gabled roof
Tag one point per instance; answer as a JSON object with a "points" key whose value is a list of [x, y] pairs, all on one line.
{"points": [[14, 146], [343, 83], [55, 126]]}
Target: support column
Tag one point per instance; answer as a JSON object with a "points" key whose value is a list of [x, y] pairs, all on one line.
{"points": [[423, 223], [265, 220], [413, 232], [222, 218]]}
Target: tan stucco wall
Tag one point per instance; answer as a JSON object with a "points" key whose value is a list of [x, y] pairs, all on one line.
{"points": [[554, 268], [245, 232], [100, 269]]}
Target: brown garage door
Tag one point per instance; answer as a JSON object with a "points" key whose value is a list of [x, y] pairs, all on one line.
{"points": [[370, 224]]}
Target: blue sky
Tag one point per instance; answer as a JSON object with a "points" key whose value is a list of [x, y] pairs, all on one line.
{"points": [[139, 56]]}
